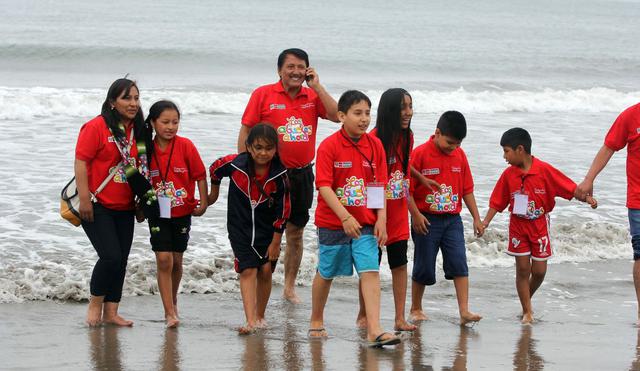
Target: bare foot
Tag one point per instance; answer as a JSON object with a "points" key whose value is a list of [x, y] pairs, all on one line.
{"points": [[175, 309], [402, 325], [291, 296], [418, 315], [261, 323], [527, 318], [361, 322], [94, 314], [117, 321], [246, 330], [172, 321], [468, 317], [317, 333]]}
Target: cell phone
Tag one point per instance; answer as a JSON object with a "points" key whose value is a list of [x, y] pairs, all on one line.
{"points": [[307, 78]]}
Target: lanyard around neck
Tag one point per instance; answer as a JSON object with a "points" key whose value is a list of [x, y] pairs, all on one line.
{"points": [[166, 174], [369, 161]]}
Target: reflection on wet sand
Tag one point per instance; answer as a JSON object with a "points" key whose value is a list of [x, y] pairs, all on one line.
{"points": [[374, 359], [170, 353], [105, 352], [256, 356], [291, 348], [460, 351], [525, 357], [317, 360], [635, 364]]}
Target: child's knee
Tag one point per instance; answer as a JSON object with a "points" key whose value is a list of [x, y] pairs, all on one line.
{"points": [[249, 272], [165, 262]]}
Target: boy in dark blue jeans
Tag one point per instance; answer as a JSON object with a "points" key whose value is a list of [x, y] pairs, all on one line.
{"points": [[435, 214]]}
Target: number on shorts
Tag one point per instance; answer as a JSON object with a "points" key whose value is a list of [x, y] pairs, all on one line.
{"points": [[544, 242]]}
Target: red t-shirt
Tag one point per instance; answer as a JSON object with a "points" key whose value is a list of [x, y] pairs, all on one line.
{"points": [[295, 120], [625, 131], [343, 168], [542, 184], [451, 171], [185, 169], [396, 193], [96, 146]]}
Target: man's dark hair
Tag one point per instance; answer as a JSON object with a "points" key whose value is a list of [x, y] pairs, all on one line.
{"points": [[351, 97], [453, 124], [298, 53], [516, 137]]}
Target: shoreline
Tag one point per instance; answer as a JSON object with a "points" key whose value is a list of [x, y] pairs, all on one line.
{"points": [[585, 313]]}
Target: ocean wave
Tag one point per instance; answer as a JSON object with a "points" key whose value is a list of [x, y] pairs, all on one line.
{"points": [[38, 102], [210, 270]]}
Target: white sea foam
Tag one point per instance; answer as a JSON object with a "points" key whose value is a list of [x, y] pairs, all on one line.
{"points": [[39, 102]]}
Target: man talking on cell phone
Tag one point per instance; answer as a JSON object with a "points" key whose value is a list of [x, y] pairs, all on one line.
{"points": [[292, 110]]}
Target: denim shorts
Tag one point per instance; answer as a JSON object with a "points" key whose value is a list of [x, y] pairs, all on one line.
{"points": [[446, 233], [634, 228], [339, 253]]}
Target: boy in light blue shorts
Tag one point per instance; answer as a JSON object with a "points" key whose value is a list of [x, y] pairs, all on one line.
{"points": [[351, 172]]}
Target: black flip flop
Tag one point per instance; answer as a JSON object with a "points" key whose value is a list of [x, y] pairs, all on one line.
{"points": [[379, 342]]}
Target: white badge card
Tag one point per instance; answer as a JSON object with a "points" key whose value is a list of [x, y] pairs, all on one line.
{"points": [[375, 196], [521, 201], [165, 206]]}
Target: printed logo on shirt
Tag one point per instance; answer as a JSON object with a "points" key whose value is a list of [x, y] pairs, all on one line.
{"points": [[444, 200], [353, 193], [154, 173], [295, 130], [397, 187], [456, 169], [432, 171], [365, 163], [308, 105], [120, 176], [532, 212], [392, 160], [180, 170], [342, 164], [273, 106], [177, 195], [539, 191]]}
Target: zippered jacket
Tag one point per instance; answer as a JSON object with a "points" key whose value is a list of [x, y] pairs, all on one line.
{"points": [[253, 216]]}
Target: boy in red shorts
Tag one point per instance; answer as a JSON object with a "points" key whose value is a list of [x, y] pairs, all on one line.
{"points": [[529, 188]]}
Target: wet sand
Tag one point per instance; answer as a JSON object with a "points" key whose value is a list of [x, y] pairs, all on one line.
{"points": [[586, 317]]}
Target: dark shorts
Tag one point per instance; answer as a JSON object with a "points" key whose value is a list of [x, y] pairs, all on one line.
{"points": [[301, 191], [447, 234], [634, 229], [396, 254], [250, 257], [173, 235]]}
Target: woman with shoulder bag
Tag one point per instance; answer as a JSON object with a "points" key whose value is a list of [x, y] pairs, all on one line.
{"points": [[118, 137]]}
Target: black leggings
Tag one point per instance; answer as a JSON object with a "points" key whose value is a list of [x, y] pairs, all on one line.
{"points": [[111, 234]]}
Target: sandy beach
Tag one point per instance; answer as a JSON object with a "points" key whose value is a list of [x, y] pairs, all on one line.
{"points": [[585, 322]]}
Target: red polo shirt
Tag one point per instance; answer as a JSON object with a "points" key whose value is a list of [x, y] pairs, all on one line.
{"points": [[346, 170], [625, 131], [542, 184], [185, 169], [295, 120], [96, 146], [396, 193], [451, 171]]}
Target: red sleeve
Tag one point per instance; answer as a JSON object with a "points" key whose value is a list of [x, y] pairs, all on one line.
{"points": [[467, 181], [221, 168], [324, 165], [89, 142], [414, 160], [381, 162], [618, 136], [322, 110], [500, 197], [562, 185], [252, 115], [194, 161]]}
